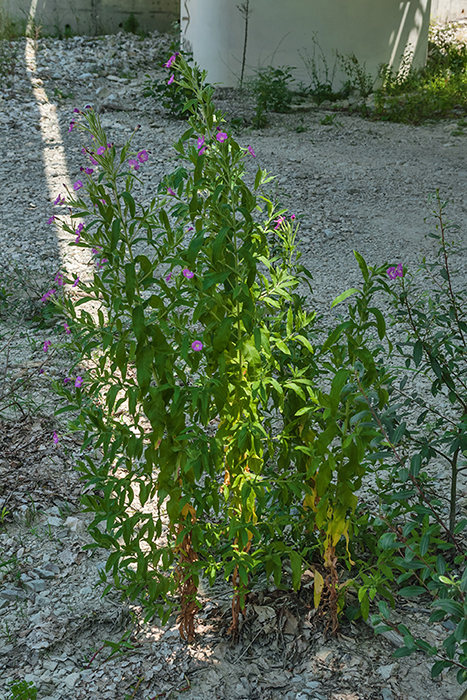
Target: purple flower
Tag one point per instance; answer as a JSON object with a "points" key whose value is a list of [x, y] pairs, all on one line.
{"points": [[394, 272], [190, 229], [188, 273], [72, 123], [51, 220], [143, 156], [197, 345], [221, 136], [59, 279], [60, 200], [109, 145], [133, 164], [102, 262], [293, 217], [170, 191], [100, 150], [41, 371], [93, 160], [83, 151], [280, 220], [89, 171], [78, 185], [67, 328], [48, 294], [171, 79], [76, 110], [251, 151], [76, 282], [66, 380], [55, 438], [202, 151], [78, 382], [171, 60], [87, 107], [46, 345], [200, 142], [169, 277]]}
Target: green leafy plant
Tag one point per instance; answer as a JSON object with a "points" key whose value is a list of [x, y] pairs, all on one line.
{"points": [[329, 120], [357, 77], [271, 88], [131, 24], [21, 690], [173, 96], [208, 388], [320, 74], [437, 90], [416, 542]]}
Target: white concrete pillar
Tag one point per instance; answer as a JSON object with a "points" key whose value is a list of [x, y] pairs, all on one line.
{"points": [[376, 31]]}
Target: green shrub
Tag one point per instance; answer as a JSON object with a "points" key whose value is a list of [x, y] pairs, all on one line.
{"points": [[210, 388]]}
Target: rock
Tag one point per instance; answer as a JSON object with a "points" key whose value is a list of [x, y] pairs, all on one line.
{"points": [[388, 671], [386, 693], [44, 573], [54, 521], [75, 524], [13, 594], [312, 684], [103, 92], [71, 680], [35, 586]]}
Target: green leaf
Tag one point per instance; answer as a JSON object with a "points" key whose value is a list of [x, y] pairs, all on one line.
{"points": [[451, 607], [439, 666], [115, 237], [424, 544], [342, 297], [337, 385], [417, 352], [139, 325], [403, 651], [130, 202], [130, 282], [412, 591], [362, 265], [380, 322]]}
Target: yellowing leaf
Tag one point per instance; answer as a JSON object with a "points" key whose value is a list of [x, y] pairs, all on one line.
{"points": [[319, 585]]}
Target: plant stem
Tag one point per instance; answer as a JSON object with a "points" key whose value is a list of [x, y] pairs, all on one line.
{"points": [[245, 11], [452, 504]]}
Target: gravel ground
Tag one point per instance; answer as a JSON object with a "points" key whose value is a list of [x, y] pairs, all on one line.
{"points": [[353, 184]]}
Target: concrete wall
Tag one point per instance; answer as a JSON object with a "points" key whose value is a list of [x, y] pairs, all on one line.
{"points": [[94, 16], [448, 10], [376, 31]]}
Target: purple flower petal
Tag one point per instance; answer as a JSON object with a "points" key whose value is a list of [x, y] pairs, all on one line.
{"points": [[197, 345], [78, 185], [76, 282], [170, 191], [391, 272], [221, 136], [169, 277], [171, 60], [89, 171], [251, 151], [133, 164], [46, 345], [143, 156], [200, 142], [93, 160], [72, 123], [55, 438], [51, 220], [280, 220], [78, 382], [100, 150], [399, 271], [188, 273], [171, 79]]}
